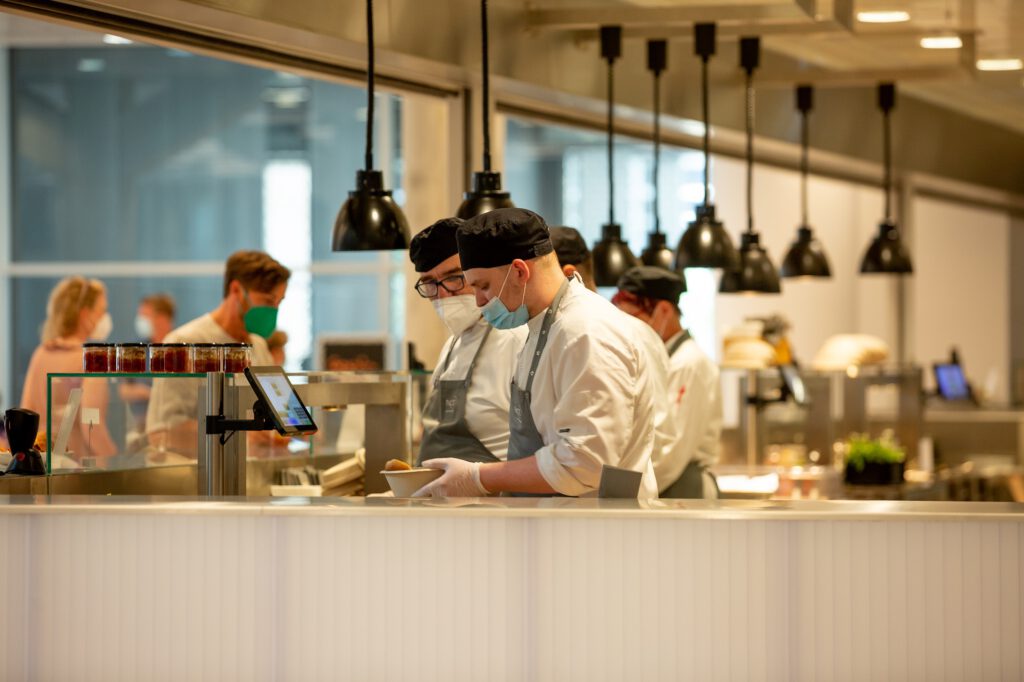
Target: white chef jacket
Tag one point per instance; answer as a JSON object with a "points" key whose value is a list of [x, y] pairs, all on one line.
{"points": [[666, 423], [487, 401], [173, 401], [592, 398], [695, 396]]}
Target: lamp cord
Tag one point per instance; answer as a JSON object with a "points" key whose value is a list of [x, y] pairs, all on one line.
{"points": [[887, 152], [657, 149], [611, 148], [804, 145], [707, 130], [485, 45], [750, 151], [369, 85]]}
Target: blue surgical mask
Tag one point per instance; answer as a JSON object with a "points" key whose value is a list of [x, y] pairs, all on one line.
{"points": [[499, 316]]}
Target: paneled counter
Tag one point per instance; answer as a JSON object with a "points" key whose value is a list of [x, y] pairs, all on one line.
{"points": [[540, 589]]}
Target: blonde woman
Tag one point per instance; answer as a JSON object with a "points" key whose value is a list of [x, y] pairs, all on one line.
{"points": [[75, 313]]}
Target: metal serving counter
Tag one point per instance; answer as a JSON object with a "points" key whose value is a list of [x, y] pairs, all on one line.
{"points": [[545, 589]]}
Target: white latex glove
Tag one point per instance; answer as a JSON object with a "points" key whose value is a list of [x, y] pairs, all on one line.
{"points": [[460, 479]]}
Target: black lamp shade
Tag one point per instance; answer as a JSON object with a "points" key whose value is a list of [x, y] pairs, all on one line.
{"points": [[806, 257], [658, 254], [612, 257], [485, 196], [706, 244], [370, 220], [887, 254], [755, 274]]}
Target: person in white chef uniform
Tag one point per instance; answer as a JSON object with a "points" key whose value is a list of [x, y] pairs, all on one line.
{"points": [[651, 294], [582, 394], [466, 416]]}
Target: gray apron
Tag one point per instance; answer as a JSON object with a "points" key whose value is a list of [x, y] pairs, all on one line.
{"points": [[690, 484], [447, 405], [524, 438]]}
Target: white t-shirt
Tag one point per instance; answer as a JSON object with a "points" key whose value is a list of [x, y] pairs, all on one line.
{"points": [[695, 397], [488, 398], [173, 401], [592, 397]]}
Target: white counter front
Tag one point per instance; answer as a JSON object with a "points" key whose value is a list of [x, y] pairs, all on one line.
{"points": [[554, 589]]}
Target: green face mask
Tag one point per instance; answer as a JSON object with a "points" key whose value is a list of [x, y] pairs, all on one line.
{"points": [[260, 320]]}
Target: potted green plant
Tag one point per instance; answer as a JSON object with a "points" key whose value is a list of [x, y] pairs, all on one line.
{"points": [[874, 461]]}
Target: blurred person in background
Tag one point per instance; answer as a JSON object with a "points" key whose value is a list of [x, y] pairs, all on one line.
{"points": [[275, 344], [154, 319], [75, 313], [254, 286]]}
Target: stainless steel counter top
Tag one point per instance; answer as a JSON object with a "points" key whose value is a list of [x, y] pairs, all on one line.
{"points": [[516, 507]]}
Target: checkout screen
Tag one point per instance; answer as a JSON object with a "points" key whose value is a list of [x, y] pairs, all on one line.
{"points": [[951, 381], [282, 398]]}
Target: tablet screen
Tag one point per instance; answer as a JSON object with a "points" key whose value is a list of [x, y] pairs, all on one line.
{"points": [[285, 406], [951, 382]]}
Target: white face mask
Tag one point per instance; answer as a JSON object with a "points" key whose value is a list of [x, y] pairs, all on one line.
{"points": [[457, 312], [101, 332], [143, 327]]}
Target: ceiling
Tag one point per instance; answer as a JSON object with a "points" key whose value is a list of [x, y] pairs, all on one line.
{"points": [[829, 46]]}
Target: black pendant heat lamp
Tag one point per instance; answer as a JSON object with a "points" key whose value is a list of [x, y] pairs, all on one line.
{"points": [[706, 244], [657, 252], [370, 220], [612, 257], [887, 254], [755, 273], [486, 194], [806, 256]]}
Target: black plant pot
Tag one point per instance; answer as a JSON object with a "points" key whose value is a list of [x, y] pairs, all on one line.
{"points": [[875, 473]]}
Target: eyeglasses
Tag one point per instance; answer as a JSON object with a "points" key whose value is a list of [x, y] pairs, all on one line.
{"points": [[451, 284]]}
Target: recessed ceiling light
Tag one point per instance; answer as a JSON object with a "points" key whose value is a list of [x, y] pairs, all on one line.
{"points": [[883, 17], [999, 64], [942, 42], [111, 39]]}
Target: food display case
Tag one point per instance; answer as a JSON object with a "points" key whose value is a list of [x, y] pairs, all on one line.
{"points": [[103, 433]]}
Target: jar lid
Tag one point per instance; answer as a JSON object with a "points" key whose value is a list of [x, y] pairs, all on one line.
{"points": [[171, 345], [130, 345], [237, 345], [204, 345], [97, 345]]}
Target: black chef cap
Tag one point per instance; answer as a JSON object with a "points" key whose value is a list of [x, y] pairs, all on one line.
{"points": [[434, 245], [652, 282], [569, 245], [498, 237]]}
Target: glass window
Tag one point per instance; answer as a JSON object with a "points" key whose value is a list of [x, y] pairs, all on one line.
{"points": [[130, 158]]}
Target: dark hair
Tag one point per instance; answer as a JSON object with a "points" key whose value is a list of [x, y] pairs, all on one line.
{"points": [[254, 270], [162, 304]]}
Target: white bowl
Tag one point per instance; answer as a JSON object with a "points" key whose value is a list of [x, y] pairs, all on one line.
{"points": [[405, 483]]}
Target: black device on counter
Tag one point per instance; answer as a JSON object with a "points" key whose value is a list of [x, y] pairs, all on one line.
{"points": [[951, 382], [22, 426], [277, 407]]}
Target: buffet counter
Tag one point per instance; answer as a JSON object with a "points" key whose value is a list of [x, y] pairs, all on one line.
{"points": [[519, 589]]}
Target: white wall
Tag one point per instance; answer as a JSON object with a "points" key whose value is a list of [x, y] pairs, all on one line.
{"points": [[961, 290]]}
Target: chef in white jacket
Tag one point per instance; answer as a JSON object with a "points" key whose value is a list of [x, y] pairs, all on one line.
{"points": [[466, 415], [651, 294], [582, 394]]}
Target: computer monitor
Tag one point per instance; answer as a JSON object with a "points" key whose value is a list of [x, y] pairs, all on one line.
{"points": [[280, 401], [949, 377]]}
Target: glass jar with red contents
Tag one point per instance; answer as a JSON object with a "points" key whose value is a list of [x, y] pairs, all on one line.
{"points": [[207, 357], [177, 358], [237, 356], [98, 357], [157, 353], [131, 358]]}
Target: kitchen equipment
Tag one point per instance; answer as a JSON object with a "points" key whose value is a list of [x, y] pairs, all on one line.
{"points": [[22, 426]]}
